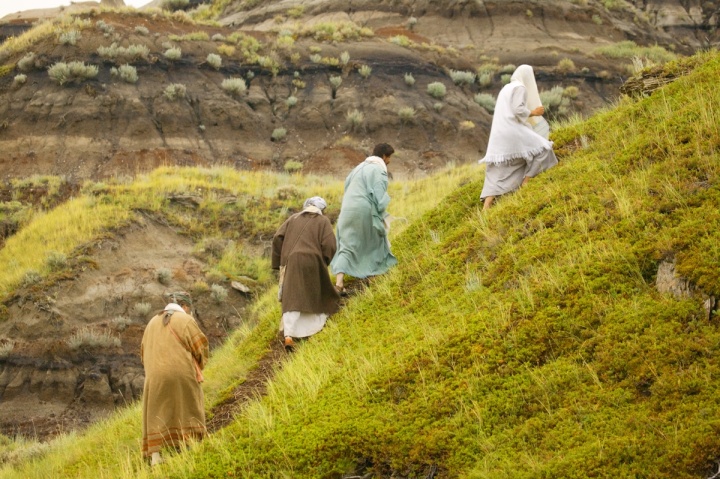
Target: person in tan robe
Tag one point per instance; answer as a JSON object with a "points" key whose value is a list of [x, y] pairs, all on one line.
{"points": [[174, 351], [304, 246]]}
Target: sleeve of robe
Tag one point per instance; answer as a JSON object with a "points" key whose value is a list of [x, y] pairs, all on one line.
{"points": [[197, 343], [379, 198], [277, 244], [518, 103], [328, 243]]}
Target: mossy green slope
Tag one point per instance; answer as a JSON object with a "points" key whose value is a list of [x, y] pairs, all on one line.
{"points": [[529, 341]]}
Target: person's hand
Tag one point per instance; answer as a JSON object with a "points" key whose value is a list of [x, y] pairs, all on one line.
{"points": [[538, 111]]}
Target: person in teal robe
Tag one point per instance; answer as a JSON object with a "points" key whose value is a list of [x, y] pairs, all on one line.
{"points": [[363, 248]]}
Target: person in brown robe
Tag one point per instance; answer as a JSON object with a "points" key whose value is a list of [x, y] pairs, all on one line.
{"points": [[302, 250], [174, 351]]}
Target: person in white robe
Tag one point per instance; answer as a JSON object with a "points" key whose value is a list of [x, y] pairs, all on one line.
{"points": [[516, 152]]}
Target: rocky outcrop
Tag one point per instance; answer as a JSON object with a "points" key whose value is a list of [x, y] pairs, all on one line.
{"points": [[668, 282], [692, 22]]}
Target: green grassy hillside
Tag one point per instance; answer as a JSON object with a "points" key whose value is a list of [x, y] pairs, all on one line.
{"points": [[525, 342]]}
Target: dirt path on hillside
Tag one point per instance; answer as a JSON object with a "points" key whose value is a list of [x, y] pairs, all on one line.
{"points": [[255, 385]]}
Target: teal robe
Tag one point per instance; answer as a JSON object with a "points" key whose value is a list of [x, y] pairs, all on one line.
{"points": [[363, 248]]}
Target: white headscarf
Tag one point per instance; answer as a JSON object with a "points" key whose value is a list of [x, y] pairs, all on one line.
{"points": [[314, 205], [315, 201], [525, 75], [174, 307]]}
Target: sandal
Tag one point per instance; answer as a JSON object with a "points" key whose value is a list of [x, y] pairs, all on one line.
{"points": [[289, 344], [341, 290]]}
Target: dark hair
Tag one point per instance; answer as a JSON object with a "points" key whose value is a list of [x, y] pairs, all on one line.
{"points": [[383, 149]]}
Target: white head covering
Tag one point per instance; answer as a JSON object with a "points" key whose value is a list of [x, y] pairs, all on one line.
{"points": [[315, 201], [174, 307], [525, 75]]}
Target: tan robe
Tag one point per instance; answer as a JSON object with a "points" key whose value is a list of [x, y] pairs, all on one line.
{"points": [[173, 402]]}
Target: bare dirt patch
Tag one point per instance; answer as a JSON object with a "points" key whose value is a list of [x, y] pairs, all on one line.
{"points": [[48, 386]]}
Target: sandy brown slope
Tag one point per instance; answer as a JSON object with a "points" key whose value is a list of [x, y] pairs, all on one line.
{"points": [[45, 385], [104, 127]]}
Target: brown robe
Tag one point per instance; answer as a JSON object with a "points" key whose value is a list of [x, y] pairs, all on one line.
{"points": [[305, 244], [173, 407]]}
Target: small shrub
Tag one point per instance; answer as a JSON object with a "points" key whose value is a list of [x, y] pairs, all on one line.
{"points": [[485, 79], [365, 71], [214, 60], [6, 347], [163, 275], [56, 261], [291, 101], [285, 42], [127, 73], [571, 92], [597, 20], [505, 78], [69, 38], [355, 118], [315, 58], [344, 58], [437, 106], [173, 54], [297, 83], [175, 91], [509, 68], [227, 50], [552, 98], [409, 79], [462, 77], [296, 12], [142, 30], [218, 293], [278, 134], [234, 86], [27, 62], [142, 309], [406, 113], [173, 5], [190, 37], [293, 166], [466, 125], [566, 65], [489, 67], [412, 21], [133, 52], [315, 49], [65, 72], [401, 40], [486, 101], [31, 277], [269, 62], [20, 79], [120, 323], [218, 37], [332, 61], [104, 27], [199, 287], [335, 82], [92, 338], [436, 89], [182, 17]]}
